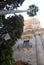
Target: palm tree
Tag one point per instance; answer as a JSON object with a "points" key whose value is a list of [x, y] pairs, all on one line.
{"points": [[33, 10]]}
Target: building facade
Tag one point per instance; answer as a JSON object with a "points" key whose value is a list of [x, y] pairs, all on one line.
{"points": [[30, 48]]}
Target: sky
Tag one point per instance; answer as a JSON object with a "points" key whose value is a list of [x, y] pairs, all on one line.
{"points": [[40, 14]]}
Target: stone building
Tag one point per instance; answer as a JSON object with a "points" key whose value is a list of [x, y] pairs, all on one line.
{"points": [[31, 24], [30, 48]]}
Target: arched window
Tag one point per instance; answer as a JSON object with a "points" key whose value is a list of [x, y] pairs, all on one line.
{"points": [[26, 43]]}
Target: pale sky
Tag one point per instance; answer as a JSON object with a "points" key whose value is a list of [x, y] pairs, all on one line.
{"points": [[40, 4]]}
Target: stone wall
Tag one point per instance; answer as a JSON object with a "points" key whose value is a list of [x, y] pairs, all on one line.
{"points": [[35, 54]]}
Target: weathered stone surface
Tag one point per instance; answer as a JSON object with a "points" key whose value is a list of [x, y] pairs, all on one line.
{"points": [[35, 35]]}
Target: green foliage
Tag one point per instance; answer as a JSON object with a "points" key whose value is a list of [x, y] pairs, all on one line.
{"points": [[6, 54], [10, 4], [14, 27], [1, 22], [33, 10]]}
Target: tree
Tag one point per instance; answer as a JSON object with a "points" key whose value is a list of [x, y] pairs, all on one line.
{"points": [[10, 4], [12, 24], [14, 27], [10, 30], [33, 10]]}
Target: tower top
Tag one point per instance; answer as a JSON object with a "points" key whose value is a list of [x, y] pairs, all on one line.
{"points": [[31, 24]]}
